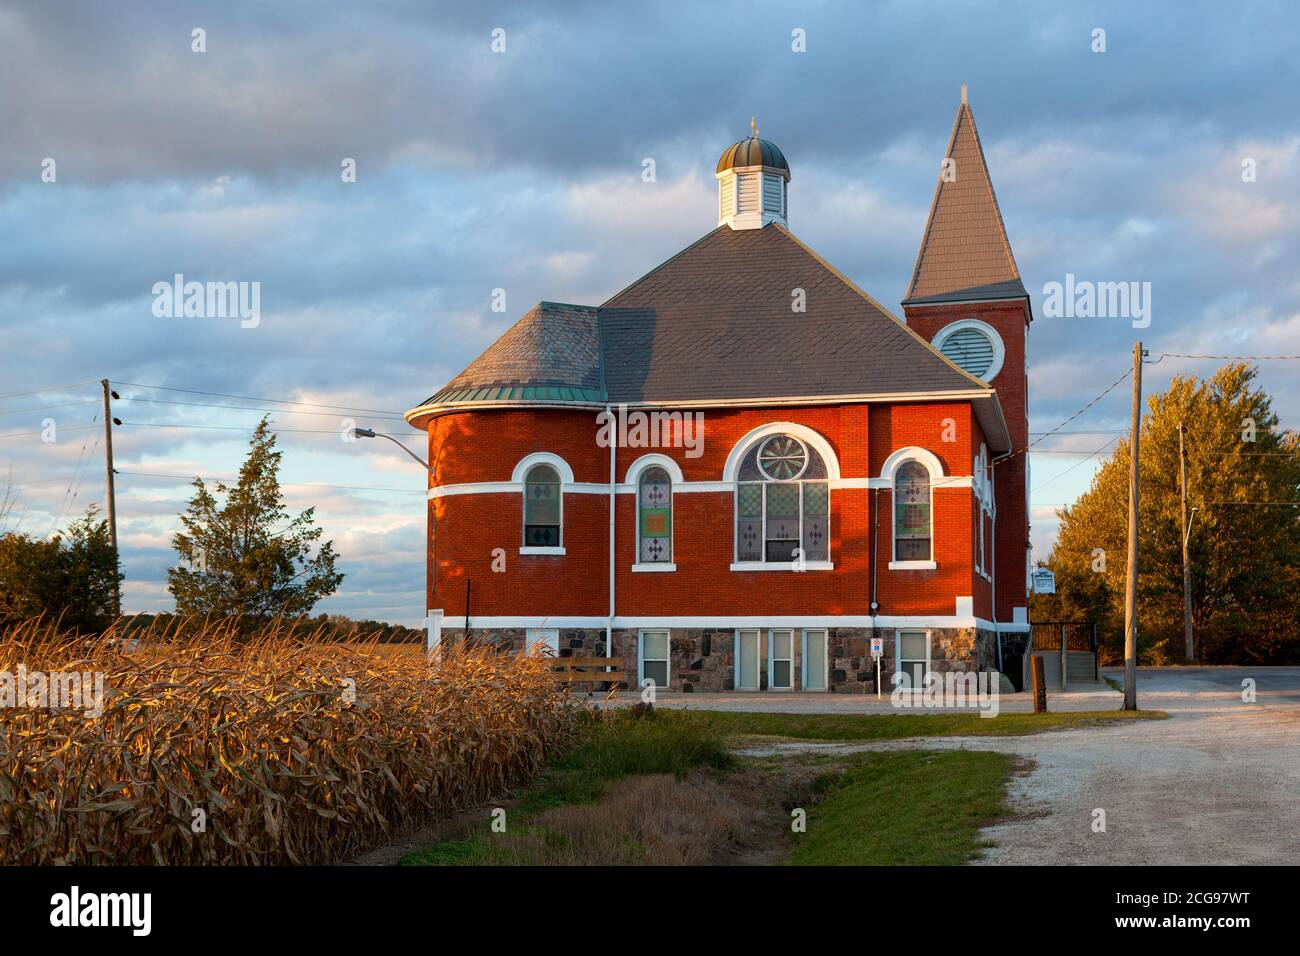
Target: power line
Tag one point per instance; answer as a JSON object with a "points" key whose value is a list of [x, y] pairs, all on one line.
{"points": [[245, 428], [76, 428], [1231, 358], [273, 401], [42, 408], [1074, 466], [250, 408], [50, 388]]}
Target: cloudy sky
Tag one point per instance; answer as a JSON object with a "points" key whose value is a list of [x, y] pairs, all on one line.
{"points": [[521, 170]]}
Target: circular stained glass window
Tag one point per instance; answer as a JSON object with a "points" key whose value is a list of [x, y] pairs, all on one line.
{"points": [[783, 458]]}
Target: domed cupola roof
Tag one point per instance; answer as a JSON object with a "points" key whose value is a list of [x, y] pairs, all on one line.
{"points": [[753, 151], [752, 178]]}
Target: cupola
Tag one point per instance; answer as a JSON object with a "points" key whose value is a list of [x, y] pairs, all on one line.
{"points": [[753, 182]]}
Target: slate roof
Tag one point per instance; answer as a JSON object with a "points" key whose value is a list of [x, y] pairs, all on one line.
{"points": [[551, 354], [716, 322], [964, 252]]}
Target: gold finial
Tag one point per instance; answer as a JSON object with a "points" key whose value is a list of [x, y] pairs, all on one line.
{"points": [[963, 93], [753, 128]]}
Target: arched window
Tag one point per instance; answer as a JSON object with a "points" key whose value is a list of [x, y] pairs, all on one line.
{"points": [[911, 512], [543, 507], [654, 517], [782, 503]]}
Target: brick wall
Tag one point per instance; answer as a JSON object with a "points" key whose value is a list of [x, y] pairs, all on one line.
{"points": [[472, 532]]}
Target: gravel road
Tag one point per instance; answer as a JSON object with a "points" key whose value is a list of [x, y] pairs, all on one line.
{"points": [[1216, 783]]}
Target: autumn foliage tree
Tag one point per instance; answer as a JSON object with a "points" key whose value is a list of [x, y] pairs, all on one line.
{"points": [[242, 554], [1243, 479]]}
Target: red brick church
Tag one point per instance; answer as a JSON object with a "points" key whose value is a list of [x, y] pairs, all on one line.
{"points": [[742, 467]]}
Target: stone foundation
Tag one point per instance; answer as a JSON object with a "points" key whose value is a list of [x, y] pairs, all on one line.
{"points": [[703, 659]]}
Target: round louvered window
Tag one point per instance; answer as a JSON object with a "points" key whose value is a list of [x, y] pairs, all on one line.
{"points": [[973, 347]]}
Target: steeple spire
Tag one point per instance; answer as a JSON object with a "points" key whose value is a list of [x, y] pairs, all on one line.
{"points": [[965, 253]]}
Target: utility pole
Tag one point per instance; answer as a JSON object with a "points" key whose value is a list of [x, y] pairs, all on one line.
{"points": [[112, 497], [1187, 562], [1130, 590]]}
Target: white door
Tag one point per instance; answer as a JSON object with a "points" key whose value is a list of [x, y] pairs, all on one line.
{"points": [[747, 660], [536, 638], [780, 659], [814, 660]]}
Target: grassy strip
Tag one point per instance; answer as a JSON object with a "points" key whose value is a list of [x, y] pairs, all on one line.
{"points": [[907, 807], [617, 746], [899, 726]]}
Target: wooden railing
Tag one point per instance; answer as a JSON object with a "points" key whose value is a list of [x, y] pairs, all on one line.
{"points": [[589, 670]]}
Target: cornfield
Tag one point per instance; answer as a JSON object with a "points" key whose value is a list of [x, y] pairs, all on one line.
{"points": [[216, 749]]}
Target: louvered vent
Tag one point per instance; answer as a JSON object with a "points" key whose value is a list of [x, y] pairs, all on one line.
{"points": [[727, 198], [748, 194], [969, 349], [772, 193]]}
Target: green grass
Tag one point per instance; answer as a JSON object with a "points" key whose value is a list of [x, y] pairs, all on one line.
{"points": [[907, 807], [617, 746], [898, 726]]}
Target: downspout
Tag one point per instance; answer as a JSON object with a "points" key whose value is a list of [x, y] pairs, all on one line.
{"points": [[993, 575], [875, 556], [609, 624]]}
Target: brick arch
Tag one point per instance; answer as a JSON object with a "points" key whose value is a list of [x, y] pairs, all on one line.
{"points": [[805, 434]]}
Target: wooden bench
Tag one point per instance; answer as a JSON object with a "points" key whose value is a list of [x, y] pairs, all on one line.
{"points": [[573, 670]]}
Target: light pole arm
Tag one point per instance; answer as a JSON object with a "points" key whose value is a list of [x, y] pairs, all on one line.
{"points": [[371, 433]]}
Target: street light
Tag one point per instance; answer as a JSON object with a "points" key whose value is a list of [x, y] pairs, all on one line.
{"points": [[371, 433]]}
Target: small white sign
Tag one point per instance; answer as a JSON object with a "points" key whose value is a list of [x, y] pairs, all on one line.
{"points": [[877, 647], [1044, 581]]}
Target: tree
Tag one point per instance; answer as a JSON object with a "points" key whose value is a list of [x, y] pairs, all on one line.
{"points": [[73, 576], [246, 556], [1245, 542]]}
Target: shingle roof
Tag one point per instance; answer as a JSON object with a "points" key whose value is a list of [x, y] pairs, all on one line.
{"points": [[551, 354], [964, 250], [716, 322]]}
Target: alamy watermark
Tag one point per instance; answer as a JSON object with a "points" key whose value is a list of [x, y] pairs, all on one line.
{"points": [[638, 429], [1084, 299], [61, 690], [944, 691], [210, 300]]}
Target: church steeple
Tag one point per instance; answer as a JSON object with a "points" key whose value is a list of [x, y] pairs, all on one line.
{"points": [[964, 250]]}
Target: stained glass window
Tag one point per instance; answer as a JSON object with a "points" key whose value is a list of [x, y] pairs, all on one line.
{"points": [[911, 512], [655, 517], [542, 506], [782, 503]]}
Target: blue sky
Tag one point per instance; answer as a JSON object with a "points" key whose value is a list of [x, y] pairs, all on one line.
{"points": [[521, 170]]}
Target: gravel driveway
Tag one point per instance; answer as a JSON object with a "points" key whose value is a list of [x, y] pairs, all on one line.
{"points": [[1216, 783]]}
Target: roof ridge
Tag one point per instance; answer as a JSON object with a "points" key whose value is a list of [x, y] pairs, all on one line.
{"points": [[673, 258]]}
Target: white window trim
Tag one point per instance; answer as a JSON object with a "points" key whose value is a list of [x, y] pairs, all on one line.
{"points": [[634, 476], [735, 669], [520, 475], [782, 566], [930, 462], [757, 437], [540, 635], [999, 350], [808, 637], [917, 565], [772, 658], [641, 658], [898, 652]]}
